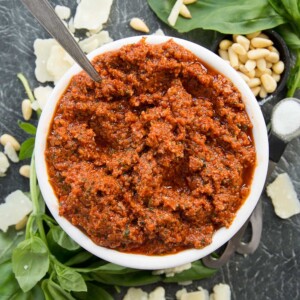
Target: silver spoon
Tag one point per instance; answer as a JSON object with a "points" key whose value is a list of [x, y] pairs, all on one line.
{"points": [[45, 14]]}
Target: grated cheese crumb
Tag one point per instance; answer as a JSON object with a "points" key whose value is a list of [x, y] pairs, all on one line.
{"points": [[63, 12], [135, 294], [170, 272], [221, 291], [42, 94]]}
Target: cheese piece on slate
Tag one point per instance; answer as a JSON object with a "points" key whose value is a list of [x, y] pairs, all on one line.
{"points": [[42, 94], [91, 14], [63, 12], [221, 291], [284, 197], [42, 50], [95, 41], [17, 205], [135, 294], [199, 295], [170, 272], [4, 164], [157, 294]]}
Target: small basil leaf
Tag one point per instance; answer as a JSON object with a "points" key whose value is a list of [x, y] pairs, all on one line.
{"points": [[53, 291], [70, 280], [79, 258], [62, 239], [8, 283], [8, 241], [30, 262], [27, 127], [26, 149]]}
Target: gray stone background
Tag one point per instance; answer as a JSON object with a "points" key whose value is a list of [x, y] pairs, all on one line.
{"points": [[273, 271]]}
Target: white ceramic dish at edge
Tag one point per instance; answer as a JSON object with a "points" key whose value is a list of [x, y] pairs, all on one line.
{"points": [[222, 235]]}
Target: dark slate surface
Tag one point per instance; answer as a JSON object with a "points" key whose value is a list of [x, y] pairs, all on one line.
{"points": [[273, 271]]}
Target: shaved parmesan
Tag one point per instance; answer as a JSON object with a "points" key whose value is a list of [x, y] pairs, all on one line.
{"points": [[11, 153], [221, 291], [159, 32], [284, 196], [4, 164], [202, 294], [91, 14], [170, 272], [135, 294], [175, 12], [17, 205], [63, 12], [41, 94], [157, 294], [35, 105], [42, 50], [58, 62], [95, 41], [71, 25]]}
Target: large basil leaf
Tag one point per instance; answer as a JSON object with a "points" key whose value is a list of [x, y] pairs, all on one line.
{"points": [[94, 292], [62, 239], [30, 262], [226, 16], [53, 291]]}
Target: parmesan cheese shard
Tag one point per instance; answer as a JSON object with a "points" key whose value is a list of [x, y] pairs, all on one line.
{"points": [[284, 196], [17, 205], [42, 50], [4, 164], [221, 291], [170, 272], [135, 294], [63, 12], [42, 94], [58, 62], [157, 294], [159, 32], [91, 14], [175, 12], [11, 153], [95, 41], [202, 294]]}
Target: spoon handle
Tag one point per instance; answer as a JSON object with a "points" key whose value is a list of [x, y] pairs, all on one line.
{"points": [[45, 14]]}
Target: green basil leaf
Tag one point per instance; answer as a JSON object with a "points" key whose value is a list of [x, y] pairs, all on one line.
{"points": [[53, 291], [137, 278], [290, 37], [94, 292], [27, 127], [26, 149], [8, 242], [30, 262], [62, 239], [35, 294], [70, 280], [79, 258], [226, 16], [196, 272], [8, 283]]}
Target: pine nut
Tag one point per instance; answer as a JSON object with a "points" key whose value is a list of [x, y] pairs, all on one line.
{"points": [[7, 138], [276, 77], [250, 65], [273, 49], [233, 58], [258, 53], [253, 35], [243, 58], [256, 90], [234, 37], [21, 224], [225, 44], [238, 49], [26, 109], [139, 25], [259, 42], [261, 64], [268, 83], [273, 57], [254, 82], [263, 93], [278, 68], [250, 74], [264, 36], [243, 41], [223, 54], [25, 171], [245, 77], [259, 73], [269, 65], [184, 12]]}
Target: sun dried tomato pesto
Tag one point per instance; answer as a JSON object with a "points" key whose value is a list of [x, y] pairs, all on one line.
{"points": [[154, 158]]}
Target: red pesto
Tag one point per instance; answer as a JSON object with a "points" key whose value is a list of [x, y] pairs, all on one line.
{"points": [[154, 158]]}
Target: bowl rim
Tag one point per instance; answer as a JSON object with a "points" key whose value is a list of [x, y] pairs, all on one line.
{"points": [[221, 236]]}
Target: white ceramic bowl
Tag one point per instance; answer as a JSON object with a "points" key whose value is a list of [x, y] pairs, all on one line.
{"points": [[222, 235]]}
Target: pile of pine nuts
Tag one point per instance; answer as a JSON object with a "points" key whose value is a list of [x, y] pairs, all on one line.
{"points": [[255, 59]]}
